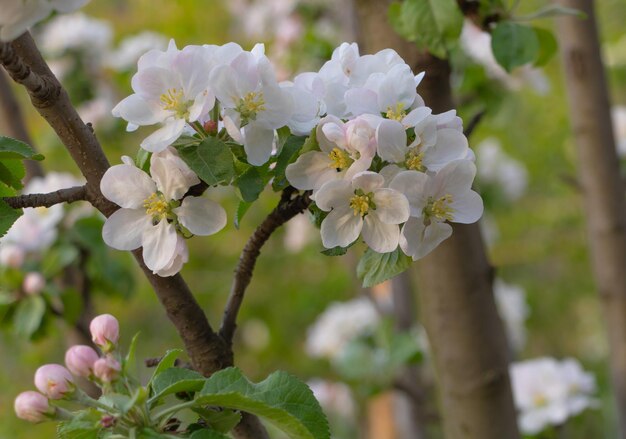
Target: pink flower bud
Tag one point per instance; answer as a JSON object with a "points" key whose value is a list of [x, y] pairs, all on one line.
{"points": [[105, 330], [32, 407], [210, 126], [54, 381], [108, 421], [34, 283], [80, 360], [11, 256], [107, 369]]}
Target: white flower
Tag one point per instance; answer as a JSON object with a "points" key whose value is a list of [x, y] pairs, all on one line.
{"points": [[131, 48], [19, 15], [547, 392], [618, 114], [446, 196], [76, 32], [255, 105], [334, 397], [362, 205], [513, 309], [498, 168], [171, 88], [151, 215], [346, 149], [298, 233], [307, 91], [430, 150], [339, 324]]}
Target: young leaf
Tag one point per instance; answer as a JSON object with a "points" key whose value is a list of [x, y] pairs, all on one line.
{"points": [[287, 155], [8, 216], [129, 360], [242, 208], [142, 160], [337, 251], [514, 44], [211, 160], [222, 420], [547, 46], [252, 182], [84, 426], [174, 380], [281, 398], [374, 268], [12, 172], [553, 11], [15, 149], [29, 315], [168, 361]]}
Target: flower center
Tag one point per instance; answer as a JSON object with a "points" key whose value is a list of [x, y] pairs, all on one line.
{"points": [[174, 100], [440, 208], [361, 203], [340, 159], [156, 206], [539, 400], [414, 160], [396, 113], [250, 105]]}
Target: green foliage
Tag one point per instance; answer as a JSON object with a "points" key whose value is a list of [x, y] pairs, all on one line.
{"points": [[11, 173], [175, 380], [207, 434], [8, 216], [374, 268], [547, 46], [142, 160], [242, 208], [287, 155], [211, 159], [252, 182], [29, 316], [15, 149], [433, 24], [84, 426], [514, 44]]}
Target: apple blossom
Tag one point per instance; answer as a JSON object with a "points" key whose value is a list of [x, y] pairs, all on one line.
{"points": [[152, 213], [434, 200], [32, 407], [107, 369], [105, 330], [513, 309], [171, 88], [334, 397], [362, 205], [11, 255], [54, 381], [76, 32], [496, 167], [80, 360], [133, 47], [34, 283]]}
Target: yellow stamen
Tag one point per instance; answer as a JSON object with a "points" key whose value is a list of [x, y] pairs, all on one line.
{"points": [[156, 206], [360, 204], [414, 161], [440, 208], [340, 159], [396, 113], [173, 100], [539, 400], [251, 104]]}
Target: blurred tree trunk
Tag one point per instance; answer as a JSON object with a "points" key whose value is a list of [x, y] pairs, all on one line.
{"points": [[456, 298], [603, 192]]}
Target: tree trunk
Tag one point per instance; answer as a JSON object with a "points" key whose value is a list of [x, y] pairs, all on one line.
{"points": [[603, 193], [456, 298]]}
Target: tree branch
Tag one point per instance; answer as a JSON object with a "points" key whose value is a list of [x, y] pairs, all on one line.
{"points": [[288, 207], [69, 195]]}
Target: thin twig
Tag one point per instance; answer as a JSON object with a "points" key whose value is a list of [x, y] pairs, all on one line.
{"points": [[69, 195], [288, 207], [473, 123]]}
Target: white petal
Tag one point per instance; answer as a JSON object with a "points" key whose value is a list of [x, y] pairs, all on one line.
{"points": [[138, 111], [416, 116], [165, 136], [468, 208], [180, 258], [413, 185], [159, 245], [392, 141], [451, 145], [325, 144], [417, 240], [258, 144], [455, 179], [224, 82], [368, 181], [362, 101], [392, 207], [127, 186], [360, 165], [123, 230], [341, 228], [202, 104], [389, 172], [201, 215], [334, 194], [172, 175], [380, 237], [311, 171]]}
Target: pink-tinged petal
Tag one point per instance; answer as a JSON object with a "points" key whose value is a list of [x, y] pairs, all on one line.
{"points": [[123, 230], [159, 245], [258, 144], [468, 208], [165, 136], [201, 216], [417, 240], [311, 171], [180, 258], [325, 144], [362, 101], [138, 111], [127, 186], [413, 185], [392, 207], [334, 194], [340, 228], [379, 236], [451, 145], [152, 82], [392, 141], [368, 181]]}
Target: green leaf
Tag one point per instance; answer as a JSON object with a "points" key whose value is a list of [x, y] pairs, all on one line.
{"points": [[242, 208], [288, 154], [207, 434], [514, 44], [374, 268], [142, 160], [15, 149], [211, 160], [129, 360], [435, 24], [12, 172], [174, 380], [222, 420], [57, 258], [281, 398], [29, 315], [168, 361], [84, 426], [337, 251], [8, 216], [552, 11], [547, 46], [252, 182]]}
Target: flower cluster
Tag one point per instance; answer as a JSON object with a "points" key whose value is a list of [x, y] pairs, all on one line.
{"points": [[55, 382], [547, 392]]}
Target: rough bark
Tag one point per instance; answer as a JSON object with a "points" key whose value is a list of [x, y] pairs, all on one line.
{"points": [[456, 298], [602, 190]]}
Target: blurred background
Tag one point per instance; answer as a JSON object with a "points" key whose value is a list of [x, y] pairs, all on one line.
{"points": [[527, 176]]}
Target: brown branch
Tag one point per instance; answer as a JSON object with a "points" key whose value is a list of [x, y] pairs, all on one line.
{"points": [[473, 123], [69, 195], [288, 207]]}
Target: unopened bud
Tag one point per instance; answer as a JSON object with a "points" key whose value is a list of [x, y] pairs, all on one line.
{"points": [[105, 331], [107, 369], [80, 360], [34, 283], [11, 256], [210, 127], [108, 421], [32, 407], [54, 381]]}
